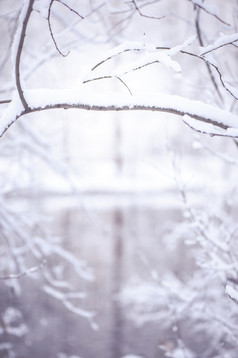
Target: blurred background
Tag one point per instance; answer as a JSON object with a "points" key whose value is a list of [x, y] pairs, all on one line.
{"points": [[118, 230]]}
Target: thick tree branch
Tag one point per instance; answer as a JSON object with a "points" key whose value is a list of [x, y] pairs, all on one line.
{"points": [[41, 100], [19, 52]]}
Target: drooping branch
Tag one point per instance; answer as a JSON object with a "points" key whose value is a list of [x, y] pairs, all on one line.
{"points": [[19, 53]]}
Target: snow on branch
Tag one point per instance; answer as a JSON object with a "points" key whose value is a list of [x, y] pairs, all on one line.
{"points": [[49, 12], [45, 99], [156, 54], [223, 40], [143, 47], [209, 128]]}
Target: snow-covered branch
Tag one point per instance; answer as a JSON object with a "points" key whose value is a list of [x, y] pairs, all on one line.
{"points": [[45, 99], [208, 9], [223, 40]]}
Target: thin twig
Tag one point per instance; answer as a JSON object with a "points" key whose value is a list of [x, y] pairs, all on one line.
{"points": [[215, 67], [207, 65], [208, 12], [216, 48], [143, 15], [110, 57], [70, 8], [102, 105], [5, 101], [108, 77], [207, 62], [51, 32]]}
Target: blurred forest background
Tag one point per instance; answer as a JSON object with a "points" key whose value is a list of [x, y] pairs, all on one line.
{"points": [[118, 231]]}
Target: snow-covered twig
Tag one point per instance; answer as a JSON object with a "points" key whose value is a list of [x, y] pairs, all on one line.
{"points": [[209, 128], [5, 101], [224, 40], [140, 47], [137, 8]]}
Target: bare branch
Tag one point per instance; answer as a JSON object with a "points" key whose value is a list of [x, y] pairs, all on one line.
{"points": [[141, 14], [108, 77], [70, 8], [19, 52], [5, 101], [200, 6], [51, 32], [197, 24], [124, 84], [215, 67], [222, 45], [207, 62]]}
